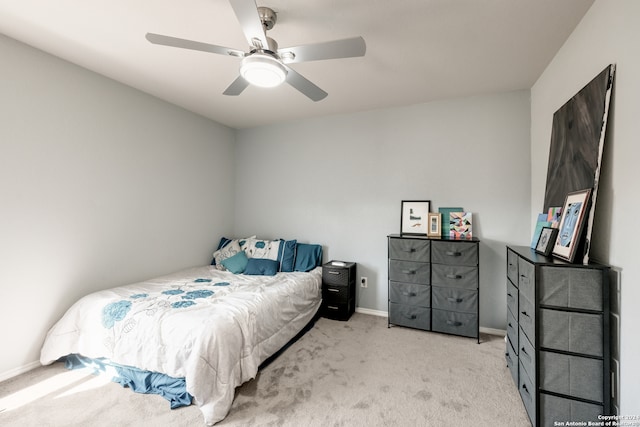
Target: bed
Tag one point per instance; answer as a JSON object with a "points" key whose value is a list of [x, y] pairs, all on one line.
{"points": [[212, 327]]}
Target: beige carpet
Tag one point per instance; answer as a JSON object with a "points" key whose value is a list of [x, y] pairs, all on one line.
{"points": [[355, 373]]}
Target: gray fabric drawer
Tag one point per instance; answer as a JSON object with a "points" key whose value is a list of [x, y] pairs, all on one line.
{"points": [[579, 288], [527, 355], [409, 315], [512, 266], [528, 394], [527, 318], [526, 279], [568, 331], [409, 293], [452, 322], [409, 249], [571, 375], [455, 253], [512, 361], [512, 331], [410, 272], [458, 277], [455, 299], [512, 298], [554, 408]]}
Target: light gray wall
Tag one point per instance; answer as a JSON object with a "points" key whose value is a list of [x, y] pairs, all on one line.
{"points": [[608, 33], [100, 185], [339, 181]]}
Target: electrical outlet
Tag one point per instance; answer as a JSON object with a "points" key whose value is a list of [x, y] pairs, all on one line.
{"points": [[363, 282]]}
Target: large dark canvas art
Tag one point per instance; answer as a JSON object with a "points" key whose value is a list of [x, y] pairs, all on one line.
{"points": [[577, 140]]}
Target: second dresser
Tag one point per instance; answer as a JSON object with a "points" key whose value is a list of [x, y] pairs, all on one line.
{"points": [[434, 284]]}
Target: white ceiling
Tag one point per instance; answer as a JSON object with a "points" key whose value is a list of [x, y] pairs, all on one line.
{"points": [[417, 50]]}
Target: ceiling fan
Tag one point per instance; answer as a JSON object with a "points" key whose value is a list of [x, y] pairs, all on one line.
{"points": [[264, 64]]}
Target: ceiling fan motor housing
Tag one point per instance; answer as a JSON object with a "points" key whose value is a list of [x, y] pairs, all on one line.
{"points": [[267, 17]]}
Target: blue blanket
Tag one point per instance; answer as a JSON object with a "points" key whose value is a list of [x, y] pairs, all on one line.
{"points": [[138, 380]]}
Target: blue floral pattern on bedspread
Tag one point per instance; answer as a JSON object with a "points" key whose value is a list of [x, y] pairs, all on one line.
{"points": [[115, 312], [179, 297]]}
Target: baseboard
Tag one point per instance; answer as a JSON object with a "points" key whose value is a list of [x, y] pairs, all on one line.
{"points": [[491, 331], [372, 312], [20, 370]]}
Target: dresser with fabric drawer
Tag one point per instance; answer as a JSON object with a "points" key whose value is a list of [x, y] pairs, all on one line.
{"points": [[511, 352], [454, 287], [409, 282], [561, 349], [433, 284]]}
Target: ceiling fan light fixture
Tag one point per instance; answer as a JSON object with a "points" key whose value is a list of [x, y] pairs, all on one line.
{"points": [[263, 70]]}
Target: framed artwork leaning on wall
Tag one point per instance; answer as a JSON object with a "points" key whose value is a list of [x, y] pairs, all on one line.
{"points": [[571, 224], [546, 241], [414, 216], [434, 224]]}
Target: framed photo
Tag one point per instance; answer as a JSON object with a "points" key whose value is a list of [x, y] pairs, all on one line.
{"points": [[434, 225], [446, 214], [460, 225], [547, 240], [414, 216], [571, 224]]}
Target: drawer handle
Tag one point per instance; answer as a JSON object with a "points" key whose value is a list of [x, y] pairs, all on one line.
{"points": [[509, 360], [509, 325], [409, 294], [410, 251], [333, 272], [524, 387], [453, 253], [412, 317], [524, 352], [333, 290], [454, 276], [510, 296], [451, 299], [332, 307], [454, 323], [525, 313], [409, 271]]}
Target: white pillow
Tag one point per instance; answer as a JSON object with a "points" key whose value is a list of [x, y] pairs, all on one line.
{"points": [[227, 252], [257, 248]]}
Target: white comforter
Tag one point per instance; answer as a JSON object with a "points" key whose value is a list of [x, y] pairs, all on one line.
{"points": [[211, 327]]}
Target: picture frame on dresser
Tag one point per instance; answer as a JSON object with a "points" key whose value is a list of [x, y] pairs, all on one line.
{"points": [[571, 224], [546, 240], [414, 217], [434, 225]]}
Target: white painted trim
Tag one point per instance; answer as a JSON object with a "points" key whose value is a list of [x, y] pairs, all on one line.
{"points": [[492, 331], [19, 370], [371, 312]]}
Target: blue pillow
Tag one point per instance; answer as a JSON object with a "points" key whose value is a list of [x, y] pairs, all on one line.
{"points": [[261, 267], [308, 257], [287, 255], [237, 263]]}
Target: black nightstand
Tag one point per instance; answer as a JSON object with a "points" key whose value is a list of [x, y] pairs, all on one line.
{"points": [[338, 290]]}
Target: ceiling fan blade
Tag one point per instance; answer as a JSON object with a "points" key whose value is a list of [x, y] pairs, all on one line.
{"points": [[310, 90], [190, 44], [344, 48], [247, 13], [236, 87]]}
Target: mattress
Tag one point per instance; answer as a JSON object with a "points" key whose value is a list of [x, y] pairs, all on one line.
{"points": [[211, 327]]}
